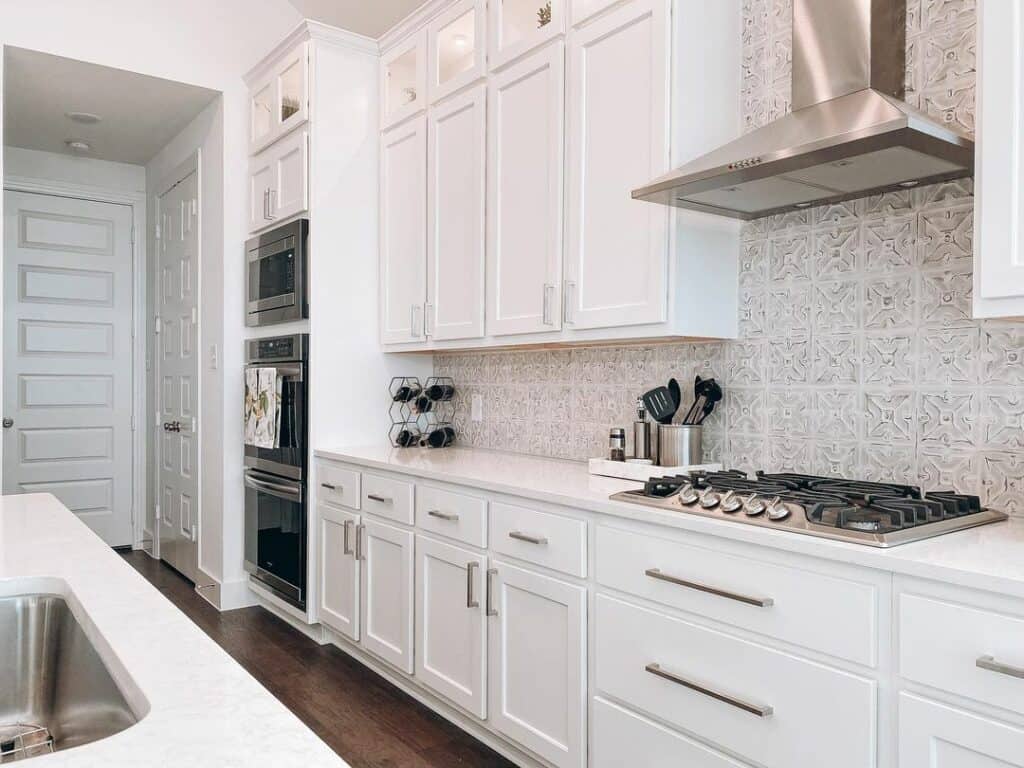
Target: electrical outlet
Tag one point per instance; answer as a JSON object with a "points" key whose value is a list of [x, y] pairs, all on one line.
{"points": [[476, 407]]}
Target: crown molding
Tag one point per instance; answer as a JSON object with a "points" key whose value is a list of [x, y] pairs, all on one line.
{"points": [[412, 22], [308, 29]]}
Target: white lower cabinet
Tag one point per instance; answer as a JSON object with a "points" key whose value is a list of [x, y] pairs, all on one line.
{"points": [[933, 735], [538, 661], [451, 630], [387, 593], [339, 571]]}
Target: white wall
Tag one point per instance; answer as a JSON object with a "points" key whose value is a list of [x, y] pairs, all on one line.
{"points": [[123, 178], [210, 44]]}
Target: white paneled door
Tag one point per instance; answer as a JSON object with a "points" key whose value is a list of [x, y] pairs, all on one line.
{"points": [[177, 374], [68, 395]]}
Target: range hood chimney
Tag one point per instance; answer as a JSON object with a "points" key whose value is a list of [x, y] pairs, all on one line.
{"points": [[850, 133]]}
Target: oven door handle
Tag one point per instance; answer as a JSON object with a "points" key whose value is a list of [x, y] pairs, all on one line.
{"points": [[286, 492], [293, 372]]}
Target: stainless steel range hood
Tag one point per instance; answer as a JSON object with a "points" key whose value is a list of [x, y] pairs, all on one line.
{"points": [[850, 133]]}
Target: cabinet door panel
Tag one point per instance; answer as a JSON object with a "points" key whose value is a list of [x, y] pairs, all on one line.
{"points": [[403, 80], [279, 101], [525, 149], [387, 583], [457, 188], [933, 735], [451, 636], [339, 571], [457, 48], [537, 662], [403, 221], [616, 265], [290, 195]]}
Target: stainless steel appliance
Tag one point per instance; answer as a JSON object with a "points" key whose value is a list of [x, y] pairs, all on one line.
{"points": [[278, 277], [850, 132], [276, 513], [875, 514]]}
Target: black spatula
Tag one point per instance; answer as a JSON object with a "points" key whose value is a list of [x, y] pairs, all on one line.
{"points": [[660, 405]]}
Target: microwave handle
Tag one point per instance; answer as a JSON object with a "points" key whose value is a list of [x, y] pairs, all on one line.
{"points": [[286, 492]]}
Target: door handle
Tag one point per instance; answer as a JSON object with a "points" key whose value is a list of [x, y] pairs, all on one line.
{"points": [[519, 536], [414, 325], [491, 573], [8, 422], [548, 290], [570, 288], [761, 710], [428, 310], [270, 204], [359, 542], [471, 601], [346, 527]]}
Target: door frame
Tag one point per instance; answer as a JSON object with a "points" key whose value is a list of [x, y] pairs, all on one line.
{"points": [[137, 203], [191, 164]]}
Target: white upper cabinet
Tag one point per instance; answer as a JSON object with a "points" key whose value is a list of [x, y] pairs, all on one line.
{"points": [[279, 101], [616, 266], [456, 48], [456, 172], [519, 26], [403, 219], [279, 181], [526, 105], [999, 183], [403, 80]]}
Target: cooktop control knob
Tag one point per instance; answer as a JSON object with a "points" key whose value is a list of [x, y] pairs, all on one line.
{"points": [[777, 510], [710, 499], [688, 494], [731, 503], [754, 506]]}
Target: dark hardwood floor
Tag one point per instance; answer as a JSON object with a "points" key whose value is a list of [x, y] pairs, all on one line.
{"points": [[363, 718]]}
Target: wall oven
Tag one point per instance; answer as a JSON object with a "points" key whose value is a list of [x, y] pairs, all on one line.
{"points": [[278, 263], [276, 512]]}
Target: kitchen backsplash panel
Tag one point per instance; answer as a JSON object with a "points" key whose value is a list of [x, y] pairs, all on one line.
{"points": [[857, 353]]}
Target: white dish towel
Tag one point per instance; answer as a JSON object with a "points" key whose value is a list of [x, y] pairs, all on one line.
{"points": [[262, 408]]}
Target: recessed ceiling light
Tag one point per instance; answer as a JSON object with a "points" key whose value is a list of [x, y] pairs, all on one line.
{"points": [[460, 41], [80, 146], [85, 118]]}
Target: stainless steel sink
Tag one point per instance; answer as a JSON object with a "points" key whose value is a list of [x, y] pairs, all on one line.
{"points": [[55, 690]]}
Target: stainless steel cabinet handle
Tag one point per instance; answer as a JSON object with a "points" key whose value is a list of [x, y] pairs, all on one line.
{"points": [[270, 203], [570, 289], [548, 290], [989, 663], [428, 310], [414, 326], [471, 602], [760, 602], [490, 610], [443, 515], [381, 499], [359, 542], [346, 527], [754, 709], [328, 486], [527, 538]]}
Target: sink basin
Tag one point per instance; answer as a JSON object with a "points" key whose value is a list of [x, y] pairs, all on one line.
{"points": [[55, 690]]}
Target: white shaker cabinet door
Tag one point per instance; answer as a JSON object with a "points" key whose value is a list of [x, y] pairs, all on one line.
{"points": [[261, 181], [403, 236], [290, 194], [999, 216], [451, 633], [456, 172], [933, 735], [525, 113], [616, 266], [339, 571], [537, 661], [387, 593]]}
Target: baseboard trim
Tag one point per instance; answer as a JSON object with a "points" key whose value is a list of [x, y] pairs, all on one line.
{"points": [[287, 613]]}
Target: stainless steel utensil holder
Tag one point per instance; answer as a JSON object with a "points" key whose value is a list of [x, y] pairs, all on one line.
{"points": [[680, 445]]}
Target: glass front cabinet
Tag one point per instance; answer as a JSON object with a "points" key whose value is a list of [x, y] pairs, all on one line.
{"points": [[280, 100], [456, 48]]}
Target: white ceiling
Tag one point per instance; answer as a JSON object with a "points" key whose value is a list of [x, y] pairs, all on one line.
{"points": [[366, 17], [140, 114]]}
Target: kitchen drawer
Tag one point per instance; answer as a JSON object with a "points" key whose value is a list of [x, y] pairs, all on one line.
{"points": [[933, 735], [556, 542], [622, 738], [385, 497], [337, 485], [455, 515], [758, 703], [967, 651], [827, 614]]}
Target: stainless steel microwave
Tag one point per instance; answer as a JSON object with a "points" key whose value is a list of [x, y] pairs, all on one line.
{"points": [[278, 279]]}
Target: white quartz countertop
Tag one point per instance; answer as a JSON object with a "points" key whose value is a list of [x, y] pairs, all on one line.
{"points": [[204, 710], [989, 557]]}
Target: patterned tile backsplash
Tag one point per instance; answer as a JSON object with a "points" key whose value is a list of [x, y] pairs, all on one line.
{"points": [[857, 353]]}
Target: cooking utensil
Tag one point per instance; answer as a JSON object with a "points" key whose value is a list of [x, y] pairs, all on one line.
{"points": [[713, 396], [676, 392], [660, 405], [699, 391]]}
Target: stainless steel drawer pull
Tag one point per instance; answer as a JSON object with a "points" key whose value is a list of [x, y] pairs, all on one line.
{"points": [[754, 709], [527, 538], [346, 527], [359, 542], [328, 486], [443, 515], [381, 499], [491, 610], [471, 601], [989, 663], [760, 602]]}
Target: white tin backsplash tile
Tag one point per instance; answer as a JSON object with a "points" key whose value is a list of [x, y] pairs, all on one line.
{"points": [[857, 354]]}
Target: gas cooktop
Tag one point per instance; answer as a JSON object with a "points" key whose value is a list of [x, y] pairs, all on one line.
{"points": [[875, 514]]}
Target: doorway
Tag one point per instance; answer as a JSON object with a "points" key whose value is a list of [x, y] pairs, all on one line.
{"points": [[100, 241]]}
